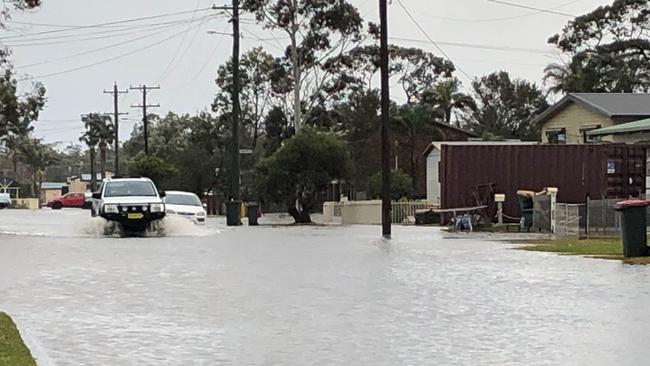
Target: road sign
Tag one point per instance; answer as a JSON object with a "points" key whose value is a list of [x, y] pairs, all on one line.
{"points": [[245, 151]]}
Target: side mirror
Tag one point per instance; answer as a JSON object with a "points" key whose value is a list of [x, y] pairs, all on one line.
{"points": [[162, 194], [97, 196]]}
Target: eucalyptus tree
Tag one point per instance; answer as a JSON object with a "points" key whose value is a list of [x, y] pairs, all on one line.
{"points": [[605, 50], [317, 30]]}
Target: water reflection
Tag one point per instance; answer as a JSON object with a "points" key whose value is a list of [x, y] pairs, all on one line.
{"points": [[316, 296]]}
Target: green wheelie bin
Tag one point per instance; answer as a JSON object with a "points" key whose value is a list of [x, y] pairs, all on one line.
{"points": [[233, 213], [633, 227]]}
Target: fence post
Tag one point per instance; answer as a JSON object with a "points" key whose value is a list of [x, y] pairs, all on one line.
{"points": [[603, 214], [553, 193], [587, 217]]}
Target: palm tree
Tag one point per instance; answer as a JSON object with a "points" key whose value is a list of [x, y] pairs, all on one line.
{"points": [[446, 97], [106, 136]]}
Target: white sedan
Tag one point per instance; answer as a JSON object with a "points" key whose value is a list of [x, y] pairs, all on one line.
{"points": [[185, 204]]}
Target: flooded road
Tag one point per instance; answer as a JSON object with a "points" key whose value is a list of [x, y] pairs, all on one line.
{"points": [[310, 296]]}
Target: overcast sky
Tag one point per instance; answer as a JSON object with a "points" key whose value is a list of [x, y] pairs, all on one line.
{"points": [[182, 58]]}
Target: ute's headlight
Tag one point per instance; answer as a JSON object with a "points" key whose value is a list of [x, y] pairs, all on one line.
{"points": [[111, 209], [157, 207], [200, 214]]}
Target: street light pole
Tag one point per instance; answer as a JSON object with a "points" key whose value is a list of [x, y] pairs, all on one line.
{"points": [[385, 120]]}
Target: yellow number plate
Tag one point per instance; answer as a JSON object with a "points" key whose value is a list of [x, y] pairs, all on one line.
{"points": [[135, 216]]}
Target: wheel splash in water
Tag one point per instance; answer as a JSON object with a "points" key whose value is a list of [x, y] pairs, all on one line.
{"points": [[169, 226]]}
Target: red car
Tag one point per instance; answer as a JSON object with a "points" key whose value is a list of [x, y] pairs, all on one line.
{"points": [[67, 200]]}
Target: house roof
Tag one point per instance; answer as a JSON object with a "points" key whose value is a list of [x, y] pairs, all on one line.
{"points": [[606, 104], [52, 185], [437, 145], [631, 127], [454, 128]]}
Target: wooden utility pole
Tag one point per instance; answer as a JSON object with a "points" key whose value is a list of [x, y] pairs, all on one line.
{"points": [[385, 120], [145, 119], [235, 178], [116, 122]]}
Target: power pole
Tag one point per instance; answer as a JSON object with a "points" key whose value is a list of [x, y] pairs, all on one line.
{"points": [[145, 119], [385, 120], [116, 121], [235, 103]]}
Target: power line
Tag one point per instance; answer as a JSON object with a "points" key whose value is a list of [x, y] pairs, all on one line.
{"points": [[260, 39], [103, 61], [117, 31], [533, 8], [111, 34], [497, 19], [205, 64], [169, 67], [132, 20], [94, 50], [431, 39], [479, 46]]}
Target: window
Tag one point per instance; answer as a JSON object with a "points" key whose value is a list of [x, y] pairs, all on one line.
{"points": [[129, 189], [556, 136], [182, 199], [589, 139]]}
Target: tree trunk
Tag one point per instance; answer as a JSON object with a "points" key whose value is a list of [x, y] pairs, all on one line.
{"points": [[14, 162], [256, 127], [40, 184], [448, 116], [297, 84], [102, 161], [33, 189], [413, 160], [93, 174], [256, 135]]}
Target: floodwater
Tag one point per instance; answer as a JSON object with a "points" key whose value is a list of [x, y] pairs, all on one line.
{"points": [[310, 296]]}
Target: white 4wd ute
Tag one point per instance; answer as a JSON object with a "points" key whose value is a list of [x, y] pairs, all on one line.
{"points": [[133, 203]]}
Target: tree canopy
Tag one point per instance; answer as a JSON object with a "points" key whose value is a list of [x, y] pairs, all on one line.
{"points": [[505, 107], [608, 50], [317, 30], [297, 173]]}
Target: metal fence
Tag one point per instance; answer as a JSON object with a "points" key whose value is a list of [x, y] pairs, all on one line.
{"points": [[600, 218], [568, 220], [403, 210], [594, 218]]}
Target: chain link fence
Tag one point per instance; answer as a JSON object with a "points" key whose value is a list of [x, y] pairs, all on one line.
{"points": [[594, 218]]}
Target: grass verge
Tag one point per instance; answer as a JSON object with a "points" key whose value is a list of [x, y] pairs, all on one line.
{"points": [[602, 248], [13, 351]]}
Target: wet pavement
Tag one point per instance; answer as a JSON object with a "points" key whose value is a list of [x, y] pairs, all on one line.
{"points": [[310, 296]]}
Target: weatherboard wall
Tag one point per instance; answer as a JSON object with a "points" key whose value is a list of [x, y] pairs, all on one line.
{"points": [[573, 118]]}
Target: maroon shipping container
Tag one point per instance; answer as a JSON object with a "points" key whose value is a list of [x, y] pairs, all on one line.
{"points": [[578, 171]]}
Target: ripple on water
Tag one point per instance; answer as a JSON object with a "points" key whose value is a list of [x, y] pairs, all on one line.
{"points": [[70, 223]]}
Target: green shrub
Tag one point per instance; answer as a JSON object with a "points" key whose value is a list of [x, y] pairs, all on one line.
{"points": [[401, 186]]}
